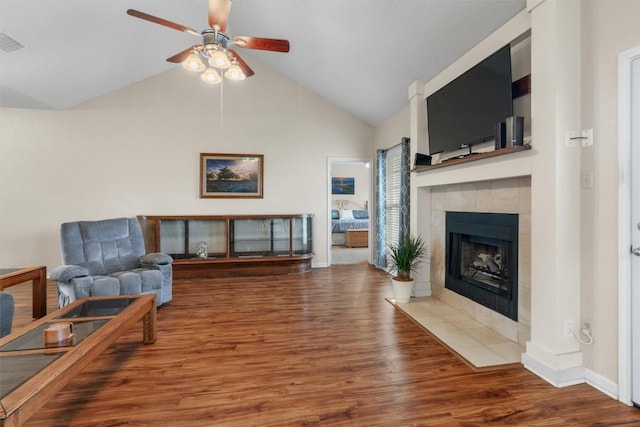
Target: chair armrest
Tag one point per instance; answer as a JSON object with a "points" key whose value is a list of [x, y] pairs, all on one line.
{"points": [[64, 273], [156, 258]]}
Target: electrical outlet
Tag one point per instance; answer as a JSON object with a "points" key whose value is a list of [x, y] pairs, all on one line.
{"points": [[568, 327]]}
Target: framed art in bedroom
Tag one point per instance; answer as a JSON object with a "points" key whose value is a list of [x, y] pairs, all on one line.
{"points": [[343, 185], [231, 175]]}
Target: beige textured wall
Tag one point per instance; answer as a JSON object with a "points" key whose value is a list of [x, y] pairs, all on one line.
{"points": [[136, 151], [392, 131], [609, 27]]}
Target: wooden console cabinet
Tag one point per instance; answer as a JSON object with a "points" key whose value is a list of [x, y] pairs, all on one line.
{"points": [[237, 245], [356, 238]]}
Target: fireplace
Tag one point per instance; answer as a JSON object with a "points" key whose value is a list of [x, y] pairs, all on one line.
{"points": [[482, 259]]}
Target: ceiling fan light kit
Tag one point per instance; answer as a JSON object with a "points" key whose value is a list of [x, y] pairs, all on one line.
{"points": [[219, 59], [211, 76], [215, 49], [235, 72], [193, 62]]}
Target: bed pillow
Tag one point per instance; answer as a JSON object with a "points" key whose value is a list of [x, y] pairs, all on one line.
{"points": [[346, 214], [360, 214], [335, 214]]}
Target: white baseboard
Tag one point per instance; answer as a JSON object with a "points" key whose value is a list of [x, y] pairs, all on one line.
{"points": [[422, 289], [571, 376], [422, 293], [557, 378], [601, 383]]}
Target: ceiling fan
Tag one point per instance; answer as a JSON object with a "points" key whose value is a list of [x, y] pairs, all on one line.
{"points": [[215, 52]]}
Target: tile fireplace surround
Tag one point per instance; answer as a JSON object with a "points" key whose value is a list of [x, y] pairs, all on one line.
{"points": [[511, 195]]}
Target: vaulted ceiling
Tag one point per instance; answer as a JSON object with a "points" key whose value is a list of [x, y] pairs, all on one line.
{"points": [[360, 55]]}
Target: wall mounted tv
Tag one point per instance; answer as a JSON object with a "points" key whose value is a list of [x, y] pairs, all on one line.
{"points": [[465, 111]]}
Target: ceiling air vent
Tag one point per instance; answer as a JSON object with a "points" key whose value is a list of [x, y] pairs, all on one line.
{"points": [[9, 45]]}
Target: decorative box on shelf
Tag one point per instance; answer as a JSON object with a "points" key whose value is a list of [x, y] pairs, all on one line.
{"points": [[237, 245]]}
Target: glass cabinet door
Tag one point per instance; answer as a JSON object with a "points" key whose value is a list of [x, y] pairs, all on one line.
{"points": [[281, 236], [229, 237], [250, 237], [172, 237], [302, 241], [211, 233], [181, 238]]}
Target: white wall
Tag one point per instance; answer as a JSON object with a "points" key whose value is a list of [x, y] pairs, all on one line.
{"points": [[609, 27], [392, 131], [136, 151]]}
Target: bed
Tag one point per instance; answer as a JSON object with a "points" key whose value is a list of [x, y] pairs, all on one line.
{"points": [[347, 215]]}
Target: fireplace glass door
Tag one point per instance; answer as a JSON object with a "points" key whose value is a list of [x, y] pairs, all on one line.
{"points": [[485, 263], [482, 259]]}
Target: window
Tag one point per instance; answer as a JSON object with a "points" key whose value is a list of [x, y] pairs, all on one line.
{"points": [[393, 190], [392, 198]]}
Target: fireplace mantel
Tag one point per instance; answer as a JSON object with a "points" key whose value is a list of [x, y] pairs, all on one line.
{"points": [[472, 158], [485, 168]]}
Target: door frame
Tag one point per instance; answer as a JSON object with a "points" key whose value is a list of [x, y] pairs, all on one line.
{"points": [[625, 60], [337, 160]]}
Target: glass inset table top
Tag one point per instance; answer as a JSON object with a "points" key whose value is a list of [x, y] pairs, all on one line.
{"points": [[97, 308], [34, 339], [17, 370]]}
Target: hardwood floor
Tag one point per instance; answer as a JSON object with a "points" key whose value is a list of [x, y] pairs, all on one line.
{"points": [[320, 349]]}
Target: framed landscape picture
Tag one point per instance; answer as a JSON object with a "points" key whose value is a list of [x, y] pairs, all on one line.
{"points": [[231, 175], [343, 185]]}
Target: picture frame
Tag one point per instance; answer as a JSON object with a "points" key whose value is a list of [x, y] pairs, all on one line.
{"points": [[340, 185], [231, 176]]}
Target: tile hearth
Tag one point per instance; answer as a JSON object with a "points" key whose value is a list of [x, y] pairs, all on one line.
{"points": [[480, 346]]}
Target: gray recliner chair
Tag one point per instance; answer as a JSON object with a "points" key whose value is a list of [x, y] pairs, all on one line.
{"points": [[6, 313], [108, 258]]}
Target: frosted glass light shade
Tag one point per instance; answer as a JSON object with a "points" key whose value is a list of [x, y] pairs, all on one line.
{"points": [[193, 63], [235, 72], [211, 76], [219, 59]]}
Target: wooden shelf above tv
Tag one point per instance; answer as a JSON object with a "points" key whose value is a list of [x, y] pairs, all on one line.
{"points": [[472, 158]]}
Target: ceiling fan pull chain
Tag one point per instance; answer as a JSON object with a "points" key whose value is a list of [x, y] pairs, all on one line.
{"points": [[221, 101]]}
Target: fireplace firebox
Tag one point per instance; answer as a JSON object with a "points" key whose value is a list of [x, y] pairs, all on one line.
{"points": [[482, 259]]}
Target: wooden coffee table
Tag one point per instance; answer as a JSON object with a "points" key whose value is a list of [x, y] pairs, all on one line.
{"points": [[38, 274], [32, 372]]}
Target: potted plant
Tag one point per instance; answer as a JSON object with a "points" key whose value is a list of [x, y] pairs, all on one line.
{"points": [[404, 258]]}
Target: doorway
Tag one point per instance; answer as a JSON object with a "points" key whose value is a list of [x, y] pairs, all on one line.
{"points": [[629, 227], [349, 184]]}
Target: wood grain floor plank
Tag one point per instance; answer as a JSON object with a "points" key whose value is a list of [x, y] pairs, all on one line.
{"points": [[320, 349]]}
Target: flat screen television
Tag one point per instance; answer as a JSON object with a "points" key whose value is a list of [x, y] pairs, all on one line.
{"points": [[465, 111]]}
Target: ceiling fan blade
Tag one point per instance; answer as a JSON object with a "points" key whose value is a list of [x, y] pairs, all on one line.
{"points": [[219, 13], [180, 57], [248, 72], [274, 45], [161, 21]]}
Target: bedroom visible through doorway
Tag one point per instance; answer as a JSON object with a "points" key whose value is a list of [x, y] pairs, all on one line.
{"points": [[349, 210]]}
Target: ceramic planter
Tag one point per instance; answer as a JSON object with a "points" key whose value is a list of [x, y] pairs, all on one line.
{"points": [[402, 290]]}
